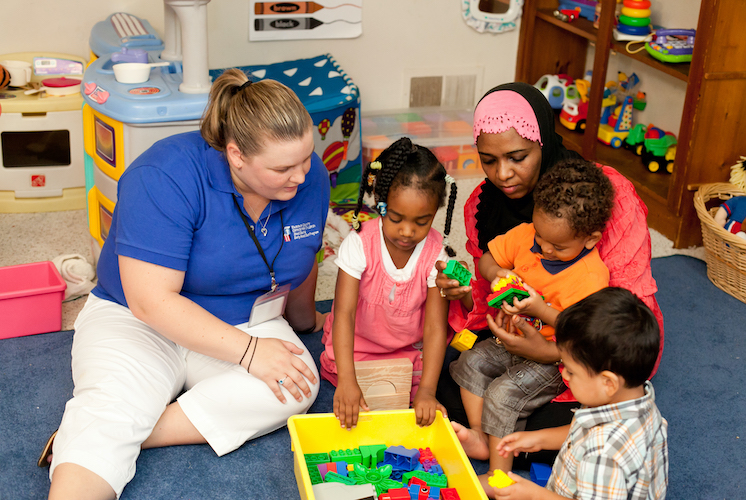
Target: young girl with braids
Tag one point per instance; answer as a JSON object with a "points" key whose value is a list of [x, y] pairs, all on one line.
{"points": [[386, 303]]}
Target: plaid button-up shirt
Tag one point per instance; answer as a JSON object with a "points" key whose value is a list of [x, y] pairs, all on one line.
{"points": [[616, 451]]}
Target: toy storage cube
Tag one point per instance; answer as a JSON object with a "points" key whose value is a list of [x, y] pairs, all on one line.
{"points": [[447, 132], [30, 299], [320, 432], [333, 101]]}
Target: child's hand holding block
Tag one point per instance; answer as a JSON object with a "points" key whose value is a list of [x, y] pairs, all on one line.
{"points": [[505, 290], [499, 479], [455, 271]]}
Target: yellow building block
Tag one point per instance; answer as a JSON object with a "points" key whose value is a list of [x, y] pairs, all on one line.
{"points": [[499, 479], [463, 340]]}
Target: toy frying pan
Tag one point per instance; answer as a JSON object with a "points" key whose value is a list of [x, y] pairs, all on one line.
{"points": [[58, 86]]}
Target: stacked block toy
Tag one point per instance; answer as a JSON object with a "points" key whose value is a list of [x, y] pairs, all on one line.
{"points": [[464, 340], [507, 289], [455, 271], [422, 478], [634, 20]]}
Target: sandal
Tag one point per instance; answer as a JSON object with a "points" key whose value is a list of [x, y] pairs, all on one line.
{"points": [[46, 452]]}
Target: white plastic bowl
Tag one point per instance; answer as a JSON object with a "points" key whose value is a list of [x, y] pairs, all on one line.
{"points": [[134, 72]]}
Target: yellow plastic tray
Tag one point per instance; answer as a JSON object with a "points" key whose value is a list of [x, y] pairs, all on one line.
{"points": [[321, 433]]}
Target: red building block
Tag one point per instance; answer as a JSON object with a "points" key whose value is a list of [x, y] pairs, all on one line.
{"points": [[449, 494]]}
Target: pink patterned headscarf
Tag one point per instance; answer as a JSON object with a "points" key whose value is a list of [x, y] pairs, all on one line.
{"points": [[501, 110]]}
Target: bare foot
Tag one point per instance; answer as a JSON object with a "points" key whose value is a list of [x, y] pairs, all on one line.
{"points": [[474, 442], [483, 480]]}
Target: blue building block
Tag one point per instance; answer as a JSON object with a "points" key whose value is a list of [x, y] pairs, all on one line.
{"points": [[401, 458], [540, 473], [434, 493]]}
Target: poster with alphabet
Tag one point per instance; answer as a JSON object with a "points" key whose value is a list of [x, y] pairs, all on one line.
{"points": [[291, 20]]}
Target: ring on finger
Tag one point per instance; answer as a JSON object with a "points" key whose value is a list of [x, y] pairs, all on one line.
{"points": [[442, 293], [283, 380]]}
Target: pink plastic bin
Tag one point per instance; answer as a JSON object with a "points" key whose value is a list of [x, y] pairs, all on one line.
{"points": [[30, 299]]}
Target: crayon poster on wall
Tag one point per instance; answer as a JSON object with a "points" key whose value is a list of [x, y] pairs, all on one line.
{"points": [[290, 20]]}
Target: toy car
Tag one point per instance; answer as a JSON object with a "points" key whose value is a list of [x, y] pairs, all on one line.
{"points": [[573, 115], [567, 15], [659, 152]]}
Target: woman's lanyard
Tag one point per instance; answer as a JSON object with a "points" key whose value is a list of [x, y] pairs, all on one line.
{"points": [[259, 247]]}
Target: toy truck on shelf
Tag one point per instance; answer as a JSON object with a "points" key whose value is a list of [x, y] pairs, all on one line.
{"points": [[618, 122], [574, 113], [656, 147]]}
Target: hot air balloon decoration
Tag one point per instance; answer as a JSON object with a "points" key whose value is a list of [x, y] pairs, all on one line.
{"points": [[324, 127], [332, 159], [348, 125]]}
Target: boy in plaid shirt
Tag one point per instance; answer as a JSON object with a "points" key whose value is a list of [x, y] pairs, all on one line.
{"points": [[616, 445]]}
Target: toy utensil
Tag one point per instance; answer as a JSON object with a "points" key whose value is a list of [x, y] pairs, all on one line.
{"points": [[57, 86]]}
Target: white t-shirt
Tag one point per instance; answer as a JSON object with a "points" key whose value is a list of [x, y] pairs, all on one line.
{"points": [[351, 259]]}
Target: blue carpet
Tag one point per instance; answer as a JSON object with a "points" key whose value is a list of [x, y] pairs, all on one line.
{"points": [[700, 389]]}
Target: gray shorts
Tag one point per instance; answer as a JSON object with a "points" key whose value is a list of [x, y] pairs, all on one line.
{"points": [[512, 387]]}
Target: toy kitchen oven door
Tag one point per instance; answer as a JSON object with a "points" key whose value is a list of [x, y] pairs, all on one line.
{"points": [[41, 134]]}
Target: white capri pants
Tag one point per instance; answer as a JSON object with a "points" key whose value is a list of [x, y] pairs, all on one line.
{"points": [[125, 374]]}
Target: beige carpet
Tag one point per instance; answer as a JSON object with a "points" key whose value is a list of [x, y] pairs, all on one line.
{"points": [[26, 238]]}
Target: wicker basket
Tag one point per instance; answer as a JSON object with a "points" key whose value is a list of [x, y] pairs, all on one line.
{"points": [[725, 253]]}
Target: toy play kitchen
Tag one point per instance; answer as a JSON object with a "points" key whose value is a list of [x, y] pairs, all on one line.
{"points": [[138, 91], [41, 133]]}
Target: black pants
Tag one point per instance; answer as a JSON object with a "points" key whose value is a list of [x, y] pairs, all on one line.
{"points": [[549, 415]]}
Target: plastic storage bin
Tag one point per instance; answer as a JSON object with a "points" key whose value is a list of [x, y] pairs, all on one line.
{"points": [[446, 132], [30, 299], [321, 433]]}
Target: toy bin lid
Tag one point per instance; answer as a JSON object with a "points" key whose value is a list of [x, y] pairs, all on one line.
{"points": [[123, 30], [318, 81]]}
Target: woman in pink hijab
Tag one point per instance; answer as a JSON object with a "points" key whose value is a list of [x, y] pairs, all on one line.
{"points": [[514, 133]]}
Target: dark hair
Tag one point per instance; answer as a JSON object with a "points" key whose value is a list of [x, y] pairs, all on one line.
{"points": [[404, 164], [250, 113], [611, 330], [578, 191]]}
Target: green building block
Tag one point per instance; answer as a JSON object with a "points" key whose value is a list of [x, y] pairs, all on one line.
{"points": [[372, 454], [316, 478], [351, 456], [455, 271], [317, 458], [430, 479], [333, 477], [496, 300]]}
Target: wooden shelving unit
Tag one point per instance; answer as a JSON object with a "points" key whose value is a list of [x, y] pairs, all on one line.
{"points": [[713, 125]]}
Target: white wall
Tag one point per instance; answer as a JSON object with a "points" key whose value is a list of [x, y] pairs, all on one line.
{"points": [[399, 37], [665, 94]]}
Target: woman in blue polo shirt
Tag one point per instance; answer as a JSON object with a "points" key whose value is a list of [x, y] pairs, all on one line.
{"points": [[214, 232]]}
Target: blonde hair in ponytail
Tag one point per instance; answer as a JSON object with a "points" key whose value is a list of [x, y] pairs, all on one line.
{"points": [[250, 113]]}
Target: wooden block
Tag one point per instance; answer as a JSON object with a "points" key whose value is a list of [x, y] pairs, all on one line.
{"points": [[386, 383]]}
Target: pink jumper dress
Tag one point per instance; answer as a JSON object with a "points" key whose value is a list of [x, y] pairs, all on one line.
{"points": [[390, 315]]}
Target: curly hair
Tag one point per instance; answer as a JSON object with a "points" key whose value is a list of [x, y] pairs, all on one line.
{"points": [[578, 191], [404, 164]]}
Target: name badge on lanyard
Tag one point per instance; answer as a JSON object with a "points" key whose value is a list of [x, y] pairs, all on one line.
{"points": [[272, 304]]}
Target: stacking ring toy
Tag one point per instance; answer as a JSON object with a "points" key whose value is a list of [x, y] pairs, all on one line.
{"points": [[635, 12], [633, 30], [637, 4], [634, 21]]}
